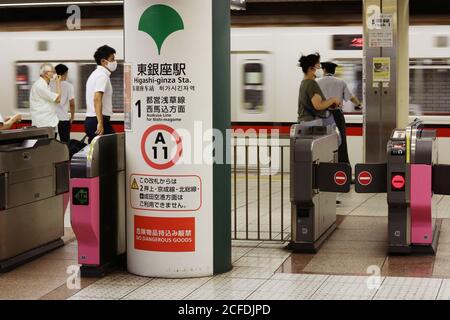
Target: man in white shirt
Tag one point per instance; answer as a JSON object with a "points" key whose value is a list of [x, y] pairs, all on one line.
{"points": [[67, 100], [43, 102], [334, 87], [99, 93], [6, 124]]}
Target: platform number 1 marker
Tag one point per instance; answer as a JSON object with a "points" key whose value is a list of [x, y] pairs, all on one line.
{"points": [[138, 105]]}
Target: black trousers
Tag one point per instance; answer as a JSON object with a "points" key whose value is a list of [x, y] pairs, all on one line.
{"points": [[90, 126], [339, 118], [64, 131]]}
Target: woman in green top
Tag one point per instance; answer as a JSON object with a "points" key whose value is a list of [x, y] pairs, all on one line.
{"points": [[311, 101]]}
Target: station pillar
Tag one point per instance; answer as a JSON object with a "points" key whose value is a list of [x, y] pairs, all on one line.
{"points": [[177, 112], [385, 73]]}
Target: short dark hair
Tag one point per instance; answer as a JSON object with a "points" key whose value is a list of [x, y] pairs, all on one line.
{"points": [[61, 69], [330, 67], [306, 62], [104, 52]]}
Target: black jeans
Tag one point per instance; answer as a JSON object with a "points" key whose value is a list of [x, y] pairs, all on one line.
{"points": [[90, 126], [64, 131], [339, 118]]}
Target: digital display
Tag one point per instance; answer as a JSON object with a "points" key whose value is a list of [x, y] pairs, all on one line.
{"points": [[80, 196], [348, 42], [399, 135]]}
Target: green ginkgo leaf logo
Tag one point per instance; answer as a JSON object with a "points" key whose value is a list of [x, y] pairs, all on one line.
{"points": [[159, 22]]}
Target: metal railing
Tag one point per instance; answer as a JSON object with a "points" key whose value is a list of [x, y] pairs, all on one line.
{"points": [[261, 218]]}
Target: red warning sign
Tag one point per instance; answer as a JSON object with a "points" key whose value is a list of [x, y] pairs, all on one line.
{"points": [[340, 178], [161, 146], [164, 234], [365, 178], [398, 182]]}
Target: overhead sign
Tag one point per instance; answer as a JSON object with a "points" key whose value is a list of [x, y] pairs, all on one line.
{"points": [[348, 42]]}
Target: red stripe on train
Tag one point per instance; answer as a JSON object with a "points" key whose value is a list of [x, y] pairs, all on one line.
{"points": [[352, 131]]}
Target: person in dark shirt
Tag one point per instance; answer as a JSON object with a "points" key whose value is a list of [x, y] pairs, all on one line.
{"points": [[312, 103]]}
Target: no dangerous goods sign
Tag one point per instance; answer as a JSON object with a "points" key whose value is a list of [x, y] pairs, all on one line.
{"points": [[161, 146]]}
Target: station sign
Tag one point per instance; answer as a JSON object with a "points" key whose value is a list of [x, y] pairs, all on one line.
{"points": [[169, 67]]}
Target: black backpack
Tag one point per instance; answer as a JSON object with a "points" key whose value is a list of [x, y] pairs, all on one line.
{"points": [[76, 146]]}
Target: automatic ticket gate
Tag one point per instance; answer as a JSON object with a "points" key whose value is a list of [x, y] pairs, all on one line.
{"points": [[34, 185], [315, 178], [410, 177], [98, 203]]}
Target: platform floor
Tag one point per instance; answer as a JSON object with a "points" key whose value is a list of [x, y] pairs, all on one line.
{"points": [[352, 264]]}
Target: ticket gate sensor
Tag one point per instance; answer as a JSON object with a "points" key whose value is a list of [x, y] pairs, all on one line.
{"points": [[97, 185], [410, 178], [34, 186], [315, 179]]}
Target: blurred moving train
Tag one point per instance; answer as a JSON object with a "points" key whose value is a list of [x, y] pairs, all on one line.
{"points": [[264, 71]]}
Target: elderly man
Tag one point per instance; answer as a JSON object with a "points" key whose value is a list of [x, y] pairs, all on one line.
{"points": [[43, 102]]}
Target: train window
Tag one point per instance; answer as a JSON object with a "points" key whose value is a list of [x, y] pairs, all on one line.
{"points": [[116, 82], [253, 71], [28, 72], [23, 86], [430, 86]]}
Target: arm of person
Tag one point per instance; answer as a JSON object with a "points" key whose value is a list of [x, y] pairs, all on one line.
{"points": [[58, 90], [355, 101], [10, 122], [71, 103], [49, 95], [349, 96], [72, 110], [98, 104], [320, 104]]}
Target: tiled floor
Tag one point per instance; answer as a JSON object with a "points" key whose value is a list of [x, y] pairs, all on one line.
{"points": [[352, 264]]}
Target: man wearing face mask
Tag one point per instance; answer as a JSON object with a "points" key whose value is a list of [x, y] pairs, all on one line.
{"points": [[43, 102], [99, 93], [335, 87]]}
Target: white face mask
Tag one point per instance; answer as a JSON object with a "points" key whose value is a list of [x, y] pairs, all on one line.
{"points": [[112, 66], [319, 73]]}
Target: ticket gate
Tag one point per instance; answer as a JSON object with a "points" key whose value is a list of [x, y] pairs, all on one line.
{"points": [[315, 178], [34, 186], [410, 178], [98, 204]]}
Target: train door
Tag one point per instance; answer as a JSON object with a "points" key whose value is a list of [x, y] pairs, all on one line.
{"points": [[252, 87]]}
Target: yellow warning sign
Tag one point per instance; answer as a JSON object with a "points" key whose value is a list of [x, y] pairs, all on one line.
{"points": [[134, 185]]}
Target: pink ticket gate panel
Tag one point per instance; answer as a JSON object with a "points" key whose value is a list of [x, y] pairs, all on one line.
{"points": [[85, 219], [98, 204], [421, 204]]}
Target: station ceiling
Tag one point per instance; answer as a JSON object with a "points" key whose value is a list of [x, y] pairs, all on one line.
{"points": [[51, 14]]}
